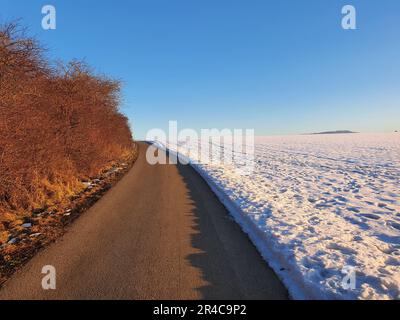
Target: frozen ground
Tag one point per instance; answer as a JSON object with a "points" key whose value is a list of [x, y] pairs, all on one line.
{"points": [[316, 204]]}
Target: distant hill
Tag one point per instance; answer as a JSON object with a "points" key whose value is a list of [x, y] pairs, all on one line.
{"points": [[336, 132]]}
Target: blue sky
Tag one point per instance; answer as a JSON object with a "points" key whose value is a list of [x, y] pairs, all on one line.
{"points": [[280, 67]]}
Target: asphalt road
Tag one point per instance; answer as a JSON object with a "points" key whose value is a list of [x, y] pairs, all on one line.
{"points": [[160, 233]]}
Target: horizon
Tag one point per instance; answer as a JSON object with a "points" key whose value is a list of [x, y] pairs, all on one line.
{"points": [[280, 69]]}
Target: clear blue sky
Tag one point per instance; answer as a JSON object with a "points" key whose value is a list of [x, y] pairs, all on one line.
{"points": [[280, 67]]}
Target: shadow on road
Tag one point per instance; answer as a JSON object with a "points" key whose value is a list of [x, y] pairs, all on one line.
{"points": [[228, 261]]}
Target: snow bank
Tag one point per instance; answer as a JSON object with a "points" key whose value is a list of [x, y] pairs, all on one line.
{"points": [[315, 205]]}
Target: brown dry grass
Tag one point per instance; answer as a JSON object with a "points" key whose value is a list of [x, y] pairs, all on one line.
{"points": [[59, 125]]}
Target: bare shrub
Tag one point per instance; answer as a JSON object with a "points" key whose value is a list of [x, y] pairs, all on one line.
{"points": [[58, 124]]}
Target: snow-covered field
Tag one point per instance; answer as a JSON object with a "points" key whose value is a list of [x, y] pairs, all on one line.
{"points": [[316, 205]]}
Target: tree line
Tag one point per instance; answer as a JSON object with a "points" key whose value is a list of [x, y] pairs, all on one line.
{"points": [[59, 123]]}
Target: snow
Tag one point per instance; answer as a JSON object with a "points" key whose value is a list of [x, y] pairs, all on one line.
{"points": [[315, 205]]}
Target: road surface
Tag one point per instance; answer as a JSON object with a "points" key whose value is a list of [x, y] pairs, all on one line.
{"points": [[160, 233]]}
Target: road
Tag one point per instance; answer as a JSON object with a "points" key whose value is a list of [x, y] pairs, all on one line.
{"points": [[159, 233]]}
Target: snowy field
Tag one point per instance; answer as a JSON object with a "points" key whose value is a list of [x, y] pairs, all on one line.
{"points": [[317, 205]]}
